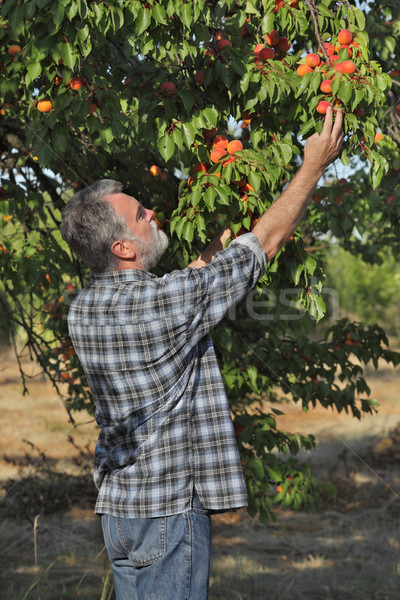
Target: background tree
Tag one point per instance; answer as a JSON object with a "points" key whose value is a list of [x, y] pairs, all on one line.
{"points": [[201, 109]]}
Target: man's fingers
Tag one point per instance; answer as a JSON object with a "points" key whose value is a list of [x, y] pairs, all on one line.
{"points": [[337, 128], [327, 128]]}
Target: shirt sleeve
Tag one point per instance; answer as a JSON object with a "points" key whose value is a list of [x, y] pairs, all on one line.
{"points": [[251, 241], [205, 295]]}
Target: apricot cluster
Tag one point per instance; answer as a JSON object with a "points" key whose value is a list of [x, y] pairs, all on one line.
{"points": [[314, 60], [274, 44]]}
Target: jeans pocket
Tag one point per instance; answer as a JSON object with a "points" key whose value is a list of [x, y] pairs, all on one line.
{"points": [[144, 540]]}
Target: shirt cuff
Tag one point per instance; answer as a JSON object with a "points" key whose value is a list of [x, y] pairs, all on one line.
{"points": [[251, 241]]}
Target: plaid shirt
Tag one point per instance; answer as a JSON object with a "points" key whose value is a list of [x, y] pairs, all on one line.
{"points": [[160, 401]]}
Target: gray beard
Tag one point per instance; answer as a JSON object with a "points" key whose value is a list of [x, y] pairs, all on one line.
{"points": [[151, 252]]}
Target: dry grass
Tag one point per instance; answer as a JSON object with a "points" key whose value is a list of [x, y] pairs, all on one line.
{"points": [[347, 550]]}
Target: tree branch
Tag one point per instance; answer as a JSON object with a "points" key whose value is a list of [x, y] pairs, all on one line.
{"points": [[314, 15]]}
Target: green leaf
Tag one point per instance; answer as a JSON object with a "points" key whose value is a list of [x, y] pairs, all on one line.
{"points": [[33, 71], [295, 272], [390, 43], [286, 153], [159, 15], [256, 465], [310, 264], [188, 134], [209, 198], [211, 114], [223, 192], [255, 179], [107, 135], [345, 91], [166, 147], [324, 10], [143, 20], [68, 55], [186, 15], [360, 18]]}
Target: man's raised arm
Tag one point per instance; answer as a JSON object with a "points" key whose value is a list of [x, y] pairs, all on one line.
{"points": [[278, 223]]}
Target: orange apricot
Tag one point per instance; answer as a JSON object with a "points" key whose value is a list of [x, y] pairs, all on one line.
{"points": [[234, 146], [266, 54], [12, 50], [348, 67], [326, 86], [322, 107], [272, 38], [220, 141], [284, 44], [303, 69], [345, 36], [44, 106], [217, 154], [312, 60]]}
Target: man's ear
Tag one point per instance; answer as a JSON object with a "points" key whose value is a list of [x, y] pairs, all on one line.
{"points": [[124, 250]]}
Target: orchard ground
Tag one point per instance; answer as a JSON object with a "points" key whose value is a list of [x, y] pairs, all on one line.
{"points": [[346, 549]]}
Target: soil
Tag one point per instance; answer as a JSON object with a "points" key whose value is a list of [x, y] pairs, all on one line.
{"points": [[51, 544]]}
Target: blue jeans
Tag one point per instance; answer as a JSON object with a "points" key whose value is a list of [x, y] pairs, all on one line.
{"points": [[162, 558]]}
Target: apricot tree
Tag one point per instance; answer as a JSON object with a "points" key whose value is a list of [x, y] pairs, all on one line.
{"points": [[201, 109]]}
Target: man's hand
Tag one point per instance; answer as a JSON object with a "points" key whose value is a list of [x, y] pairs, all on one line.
{"points": [[322, 149], [281, 219]]}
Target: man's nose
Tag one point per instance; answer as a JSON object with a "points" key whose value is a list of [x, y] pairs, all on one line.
{"points": [[150, 214]]}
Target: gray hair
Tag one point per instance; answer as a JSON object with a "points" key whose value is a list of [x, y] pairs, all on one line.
{"points": [[90, 225]]}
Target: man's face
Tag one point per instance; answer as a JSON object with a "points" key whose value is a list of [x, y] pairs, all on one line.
{"points": [[151, 242]]}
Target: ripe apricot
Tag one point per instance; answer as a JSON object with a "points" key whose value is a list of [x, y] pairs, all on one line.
{"points": [[348, 67], [200, 167], [329, 49], [246, 188], [217, 154], [303, 69], [44, 106], [312, 60], [272, 38], [322, 107], [228, 161], [223, 44], [199, 77], [326, 86], [209, 133], [155, 170], [284, 44], [234, 146], [266, 53], [12, 50], [345, 36], [220, 141], [378, 137], [76, 82], [168, 88]]}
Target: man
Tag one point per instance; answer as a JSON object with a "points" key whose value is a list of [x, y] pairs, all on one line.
{"points": [[166, 456]]}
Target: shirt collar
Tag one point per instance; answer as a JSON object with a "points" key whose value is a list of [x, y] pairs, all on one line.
{"points": [[121, 276]]}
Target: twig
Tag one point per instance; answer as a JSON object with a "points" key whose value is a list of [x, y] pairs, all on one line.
{"points": [[314, 16], [35, 528]]}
